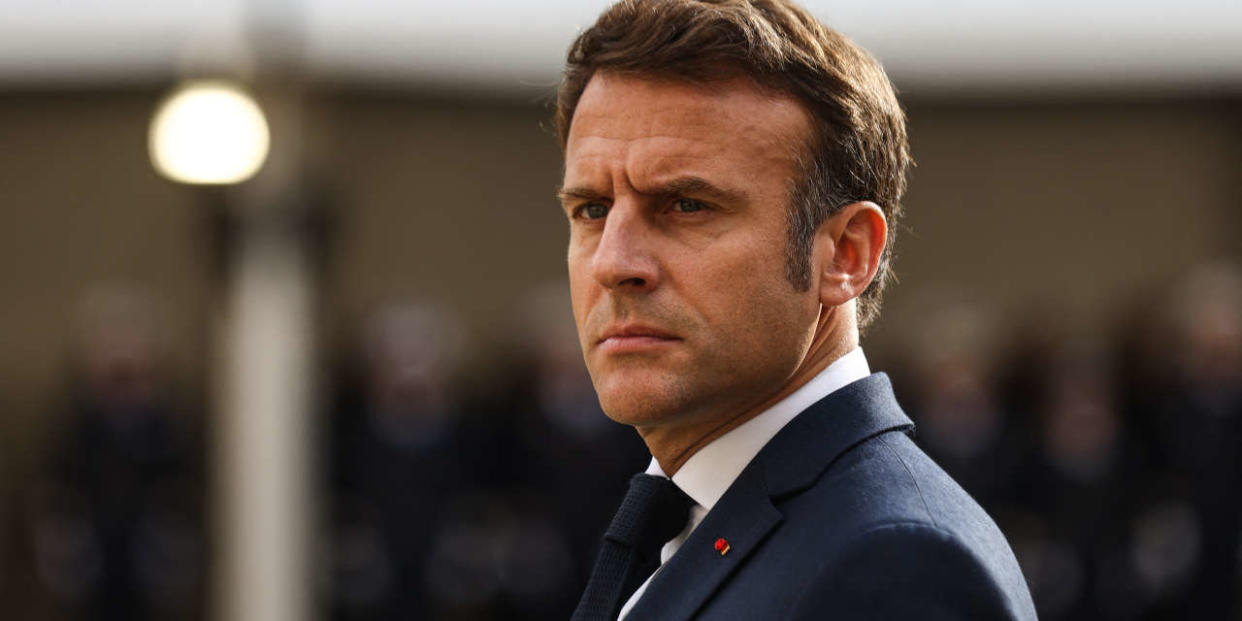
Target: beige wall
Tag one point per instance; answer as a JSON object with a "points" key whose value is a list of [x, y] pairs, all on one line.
{"points": [[443, 200], [1070, 206], [1068, 209], [80, 205]]}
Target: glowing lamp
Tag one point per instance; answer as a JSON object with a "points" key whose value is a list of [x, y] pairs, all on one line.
{"points": [[209, 132]]}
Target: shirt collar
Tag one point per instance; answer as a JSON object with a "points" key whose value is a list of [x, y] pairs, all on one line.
{"points": [[708, 473]]}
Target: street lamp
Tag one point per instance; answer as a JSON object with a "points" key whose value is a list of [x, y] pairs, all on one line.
{"points": [[209, 132], [213, 135]]}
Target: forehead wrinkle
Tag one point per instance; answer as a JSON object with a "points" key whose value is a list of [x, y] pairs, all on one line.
{"points": [[654, 170], [678, 105], [587, 164], [678, 122], [670, 137]]}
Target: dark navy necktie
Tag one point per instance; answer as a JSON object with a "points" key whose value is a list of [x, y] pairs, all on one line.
{"points": [[654, 511]]}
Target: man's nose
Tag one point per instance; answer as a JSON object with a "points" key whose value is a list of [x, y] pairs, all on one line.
{"points": [[625, 257]]}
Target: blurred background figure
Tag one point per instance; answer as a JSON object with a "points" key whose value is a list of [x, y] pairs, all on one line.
{"points": [[1199, 427], [395, 460], [1074, 490], [545, 460], [1112, 465], [952, 390], [571, 459], [116, 523], [470, 497]]}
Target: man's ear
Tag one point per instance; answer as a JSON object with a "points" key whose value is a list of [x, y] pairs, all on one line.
{"points": [[853, 241]]}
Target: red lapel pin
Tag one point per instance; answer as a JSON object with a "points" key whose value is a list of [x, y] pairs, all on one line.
{"points": [[722, 546]]}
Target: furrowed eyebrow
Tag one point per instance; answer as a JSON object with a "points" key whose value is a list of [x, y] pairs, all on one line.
{"points": [[679, 186], [701, 187], [566, 195]]}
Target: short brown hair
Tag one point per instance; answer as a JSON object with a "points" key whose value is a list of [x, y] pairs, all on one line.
{"points": [[858, 150]]}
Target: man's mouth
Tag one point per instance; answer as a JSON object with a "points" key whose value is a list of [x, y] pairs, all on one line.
{"points": [[632, 338]]}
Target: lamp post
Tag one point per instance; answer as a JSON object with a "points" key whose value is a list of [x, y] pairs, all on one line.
{"points": [[214, 134]]}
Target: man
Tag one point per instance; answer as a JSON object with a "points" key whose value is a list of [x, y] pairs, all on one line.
{"points": [[733, 170]]}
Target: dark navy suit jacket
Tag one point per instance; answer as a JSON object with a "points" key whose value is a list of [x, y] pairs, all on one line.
{"points": [[841, 516]]}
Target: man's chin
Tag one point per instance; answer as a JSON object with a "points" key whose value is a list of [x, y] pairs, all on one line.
{"points": [[643, 405], [637, 417]]}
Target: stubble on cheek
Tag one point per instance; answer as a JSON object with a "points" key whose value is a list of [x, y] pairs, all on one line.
{"points": [[644, 387], [644, 396]]}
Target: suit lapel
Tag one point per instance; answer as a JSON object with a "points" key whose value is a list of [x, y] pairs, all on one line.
{"points": [[793, 460], [743, 518], [797, 456]]}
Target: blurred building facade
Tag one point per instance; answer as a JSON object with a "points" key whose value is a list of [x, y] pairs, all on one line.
{"points": [[1066, 334]]}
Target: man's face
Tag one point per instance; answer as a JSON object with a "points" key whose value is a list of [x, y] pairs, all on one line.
{"points": [[677, 197]]}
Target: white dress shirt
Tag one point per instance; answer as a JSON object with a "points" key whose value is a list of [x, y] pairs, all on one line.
{"points": [[708, 473]]}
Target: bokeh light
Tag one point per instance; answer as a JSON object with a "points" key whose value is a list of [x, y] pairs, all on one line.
{"points": [[209, 132]]}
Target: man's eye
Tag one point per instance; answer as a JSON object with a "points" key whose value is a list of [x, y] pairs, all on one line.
{"points": [[687, 205], [593, 211]]}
